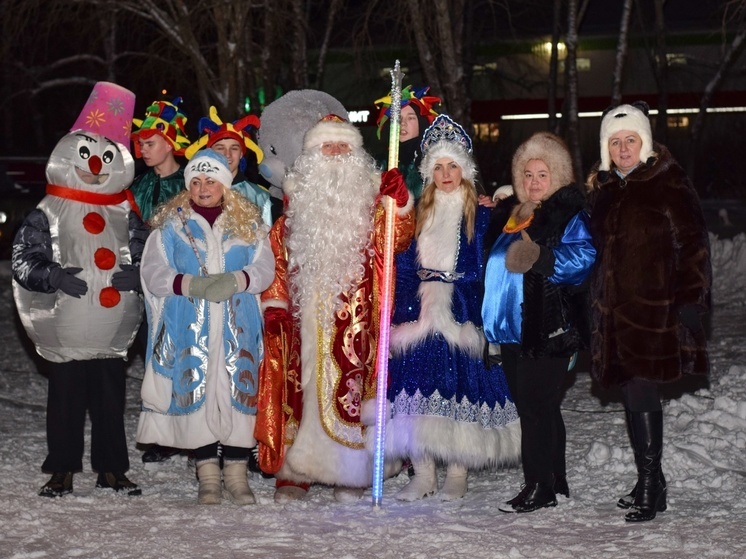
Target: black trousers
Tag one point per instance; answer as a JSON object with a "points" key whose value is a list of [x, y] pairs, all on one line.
{"points": [[96, 386], [537, 387]]}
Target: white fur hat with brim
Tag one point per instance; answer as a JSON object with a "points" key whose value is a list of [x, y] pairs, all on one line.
{"points": [[332, 128], [633, 118]]}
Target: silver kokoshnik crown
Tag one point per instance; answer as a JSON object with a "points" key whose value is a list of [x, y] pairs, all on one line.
{"points": [[443, 128]]}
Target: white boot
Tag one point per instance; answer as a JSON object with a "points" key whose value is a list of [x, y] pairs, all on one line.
{"points": [[290, 492], [348, 494], [454, 486], [208, 472], [424, 482], [237, 483]]}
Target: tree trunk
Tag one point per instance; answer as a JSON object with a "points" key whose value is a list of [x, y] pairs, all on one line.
{"points": [[553, 124], [661, 126], [299, 63], [729, 58], [426, 57], [331, 16], [621, 53], [570, 107]]}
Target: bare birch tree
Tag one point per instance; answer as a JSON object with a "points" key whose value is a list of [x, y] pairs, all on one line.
{"points": [[621, 53], [554, 66], [570, 108], [735, 11], [439, 31]]}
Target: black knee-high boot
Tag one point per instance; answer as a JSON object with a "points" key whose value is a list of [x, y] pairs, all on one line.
{"points": [[650, 492], [629, 499]]}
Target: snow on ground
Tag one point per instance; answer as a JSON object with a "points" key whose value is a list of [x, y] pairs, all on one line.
{"points": [[704, 460]]}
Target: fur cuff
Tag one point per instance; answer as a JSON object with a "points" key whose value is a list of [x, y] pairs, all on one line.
{"points": [[274, 303]]}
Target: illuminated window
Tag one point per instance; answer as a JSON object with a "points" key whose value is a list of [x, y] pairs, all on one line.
{"points": [[486, 131], [545, 49], [678, 121]]}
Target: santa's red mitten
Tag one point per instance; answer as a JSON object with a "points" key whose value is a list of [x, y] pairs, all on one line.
{"points": [[392, 184]]}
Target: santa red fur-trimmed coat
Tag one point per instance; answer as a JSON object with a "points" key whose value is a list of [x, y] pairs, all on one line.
{"points": [[653, 258]]}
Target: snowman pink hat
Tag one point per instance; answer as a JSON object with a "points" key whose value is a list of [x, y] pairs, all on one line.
{"points": [[108, 111]]}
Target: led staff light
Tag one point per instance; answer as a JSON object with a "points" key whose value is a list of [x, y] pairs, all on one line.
{"points": [[192, 242], [382, 358]]}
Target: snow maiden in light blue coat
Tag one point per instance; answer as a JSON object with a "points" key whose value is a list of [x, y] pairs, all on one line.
{"points": [[202, 270]]}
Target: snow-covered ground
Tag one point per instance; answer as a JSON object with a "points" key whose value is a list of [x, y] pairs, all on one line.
{"points": [[704, 460]]}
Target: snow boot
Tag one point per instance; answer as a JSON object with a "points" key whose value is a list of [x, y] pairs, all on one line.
{"points": [[650, 497], [237, 483], [454, 486], [61, 483], [424, 482], [208, 473], [348, 494]]}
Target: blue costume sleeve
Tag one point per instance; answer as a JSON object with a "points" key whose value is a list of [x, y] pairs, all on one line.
{"points": [[575, 255]]}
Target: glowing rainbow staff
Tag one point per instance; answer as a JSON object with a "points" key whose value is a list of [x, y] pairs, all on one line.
{"points": [[382, 358]]}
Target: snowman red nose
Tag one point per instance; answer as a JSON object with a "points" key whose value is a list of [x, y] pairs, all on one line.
{"points": [[94, 164]]}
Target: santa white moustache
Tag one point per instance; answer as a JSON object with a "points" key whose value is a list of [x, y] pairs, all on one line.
{"points": [[322, 314]]}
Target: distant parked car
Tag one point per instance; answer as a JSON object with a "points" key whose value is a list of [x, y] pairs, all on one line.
{"points": [[22, 186]]}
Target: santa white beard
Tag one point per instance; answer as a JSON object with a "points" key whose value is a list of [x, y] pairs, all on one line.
{"points": [[330, 222]]}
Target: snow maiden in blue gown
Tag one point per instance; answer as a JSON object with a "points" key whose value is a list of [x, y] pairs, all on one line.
{"points": [[447, 406]]}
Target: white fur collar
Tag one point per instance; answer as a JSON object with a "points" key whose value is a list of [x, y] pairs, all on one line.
{"points": [[437, 245]]}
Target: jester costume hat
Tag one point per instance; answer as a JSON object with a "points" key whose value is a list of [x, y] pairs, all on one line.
{"points": [[446, 138], [166, 120], [87, 211], [418, 99], [213, 130]]}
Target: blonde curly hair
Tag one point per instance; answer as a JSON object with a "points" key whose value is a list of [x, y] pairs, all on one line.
{"points": [[240, 217]]}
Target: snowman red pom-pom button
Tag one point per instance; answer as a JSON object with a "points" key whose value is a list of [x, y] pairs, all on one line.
{"points": [[104, 258], [94, 223]]}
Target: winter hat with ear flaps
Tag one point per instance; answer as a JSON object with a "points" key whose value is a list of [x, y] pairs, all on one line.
{"points": [[632, 117]]}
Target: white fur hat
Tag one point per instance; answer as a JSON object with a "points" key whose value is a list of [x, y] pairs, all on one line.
{"points": [[626, 117], [332, 128], [446, 138], [211, 163]]}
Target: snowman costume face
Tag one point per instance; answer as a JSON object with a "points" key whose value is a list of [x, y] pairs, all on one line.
{"points": [[88, 161]]}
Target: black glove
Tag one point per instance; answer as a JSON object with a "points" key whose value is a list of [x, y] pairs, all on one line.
{"points": [[128, 279], [689, 317], [64, 279]]}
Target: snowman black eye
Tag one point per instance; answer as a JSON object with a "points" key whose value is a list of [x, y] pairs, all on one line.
{"points": [[108, 155], [84, 152], [273, 150]]}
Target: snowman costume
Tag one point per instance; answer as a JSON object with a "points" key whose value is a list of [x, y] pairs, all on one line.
{"points": [[75, 282]]}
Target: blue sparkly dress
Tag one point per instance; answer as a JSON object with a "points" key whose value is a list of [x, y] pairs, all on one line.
{"points": [[445, 404]]}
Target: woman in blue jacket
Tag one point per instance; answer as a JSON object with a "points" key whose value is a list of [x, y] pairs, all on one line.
{"points": [[534, 307]]}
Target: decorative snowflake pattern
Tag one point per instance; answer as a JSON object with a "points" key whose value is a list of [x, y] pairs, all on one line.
{"points": [[95, 118], [116, 106]]}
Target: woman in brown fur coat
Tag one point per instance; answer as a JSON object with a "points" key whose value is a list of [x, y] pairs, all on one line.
{"points": [[650, 285]]}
